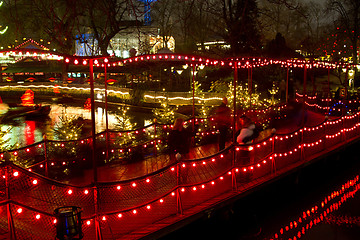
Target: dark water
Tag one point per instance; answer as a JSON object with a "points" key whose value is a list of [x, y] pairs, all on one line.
{"points": [[25, 132], [262, 214]]}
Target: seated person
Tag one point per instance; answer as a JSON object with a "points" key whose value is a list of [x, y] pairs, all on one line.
{"points": [[248, 130]]}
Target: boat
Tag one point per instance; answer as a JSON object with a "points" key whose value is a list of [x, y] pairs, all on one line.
{"points": [[38, 111], [29, 112]]}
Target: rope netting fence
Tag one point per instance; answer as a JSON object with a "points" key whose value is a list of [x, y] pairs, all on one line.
{"points": [[118, 209]]}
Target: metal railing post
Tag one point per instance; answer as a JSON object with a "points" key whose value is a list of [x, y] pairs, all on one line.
{"points": [[233, 172], [46, 157], [96, 218], [302, 148], [155, 143], [11, 227], [178, 192]]}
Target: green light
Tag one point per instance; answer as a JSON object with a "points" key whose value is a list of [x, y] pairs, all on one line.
{"points": [[4, 30]]}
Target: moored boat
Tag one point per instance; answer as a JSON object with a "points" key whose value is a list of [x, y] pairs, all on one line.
{"points": [[25, 111]]}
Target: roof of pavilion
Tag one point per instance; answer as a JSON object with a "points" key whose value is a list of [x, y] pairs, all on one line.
{"points": [[31, 44], [31, 48]]}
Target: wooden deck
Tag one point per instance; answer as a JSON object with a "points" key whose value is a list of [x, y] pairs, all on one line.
{"points": [[119, 172]]}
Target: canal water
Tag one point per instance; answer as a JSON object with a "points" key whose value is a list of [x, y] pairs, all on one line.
{"points": [[25, 132], [274, 210]]}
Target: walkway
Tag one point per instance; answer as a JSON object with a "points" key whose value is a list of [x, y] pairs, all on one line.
{"points": [[175, 195], [118, 172]]}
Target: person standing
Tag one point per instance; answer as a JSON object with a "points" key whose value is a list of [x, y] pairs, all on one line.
{"points": [[179, 138], [223, 120]]}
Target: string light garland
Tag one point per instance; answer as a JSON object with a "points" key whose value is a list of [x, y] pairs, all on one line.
{"points": [[191, 60]]}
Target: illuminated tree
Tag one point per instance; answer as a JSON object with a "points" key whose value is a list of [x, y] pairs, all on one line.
{"points": [[124, 120], [165, 114], [68, 128], [349, 20], [4, 142], [124, 124], [197, 89], [219, 86], [244, 100], [273, 92]]}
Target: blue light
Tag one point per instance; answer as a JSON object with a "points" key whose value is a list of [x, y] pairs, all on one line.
{"points": [[335, 105], [147, 10]]}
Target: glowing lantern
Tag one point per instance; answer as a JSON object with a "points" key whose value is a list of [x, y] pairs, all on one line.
{"points": [[111, 81], [31, 79], [70, 80], [9, 79], [87, 105], [56, 89], [52, 79], [27, 98]]}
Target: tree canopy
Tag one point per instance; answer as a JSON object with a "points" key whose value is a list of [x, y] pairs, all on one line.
{"points": [[246, 27]]}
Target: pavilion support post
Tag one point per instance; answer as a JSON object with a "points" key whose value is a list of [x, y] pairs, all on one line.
{"points": [[234, 101], [155, 134], [304, 84], [233, 175], [346, 82], [93, 130], [106, 114], [302, 149], [303, 117], [329, 92], [93, 145], [329, 83], [193, 92], [193, 97], [250, 84], [287, 85]]}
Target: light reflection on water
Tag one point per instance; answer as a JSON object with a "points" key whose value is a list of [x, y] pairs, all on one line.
{"points": [[26, 132]]}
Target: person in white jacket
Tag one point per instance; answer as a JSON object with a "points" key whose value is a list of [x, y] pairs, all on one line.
{"points": [[247, 130]]}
